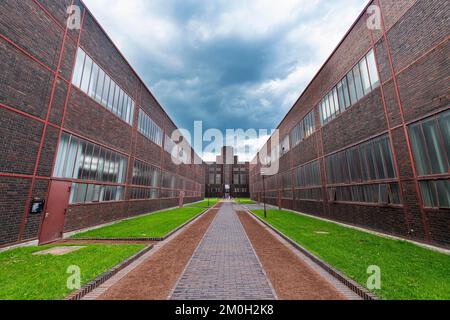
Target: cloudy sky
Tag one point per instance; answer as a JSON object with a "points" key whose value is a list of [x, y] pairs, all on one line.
{"points": [[230, 63]]}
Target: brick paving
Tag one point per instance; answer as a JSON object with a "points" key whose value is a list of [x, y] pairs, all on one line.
{"points": [[224, 265]]}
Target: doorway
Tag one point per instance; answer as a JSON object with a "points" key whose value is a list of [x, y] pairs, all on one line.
{"points": [[53, 221]]}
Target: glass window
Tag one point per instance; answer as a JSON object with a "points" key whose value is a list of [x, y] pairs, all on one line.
{"points": [[79, 65], [365, 76], [358, 83], [351, 87], [94, 80], [340, 90], [444, 124], [373, 70], [100, 84], [345, 92], [86, 74], [112, 90], [434, 144], [106, 90]]}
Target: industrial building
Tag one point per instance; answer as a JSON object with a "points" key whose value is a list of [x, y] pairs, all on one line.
{"points": [[83, 141], [368, 141], [227, 177]]}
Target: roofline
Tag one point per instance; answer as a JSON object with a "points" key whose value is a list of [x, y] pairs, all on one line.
{"points": [[130, 66], [326, 61]]}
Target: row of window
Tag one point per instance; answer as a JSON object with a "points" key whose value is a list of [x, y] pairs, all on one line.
{"points": [[145, 175], [358, 82], [80, 159], [430, 141], [308, 175], [309, 194], [303, 129], [149, 128], [143, 193], [436, 193], [366, 162], [91, 193], [372, 193], [240, 179], [94, 81]]}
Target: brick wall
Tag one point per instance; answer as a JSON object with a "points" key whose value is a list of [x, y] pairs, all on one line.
{"points": [[415, 45], [31, 44]]}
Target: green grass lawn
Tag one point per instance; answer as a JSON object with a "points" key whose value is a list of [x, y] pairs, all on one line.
{"points": [[24, 276], [150, 226], [204, 203], [407, 271], [245, 201]]}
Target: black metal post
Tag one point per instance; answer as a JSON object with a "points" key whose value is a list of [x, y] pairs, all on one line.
{"points": [[264, 197], [208, 193]]}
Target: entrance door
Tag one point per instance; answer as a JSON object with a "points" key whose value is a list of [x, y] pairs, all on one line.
{"points": [[53, 222]]}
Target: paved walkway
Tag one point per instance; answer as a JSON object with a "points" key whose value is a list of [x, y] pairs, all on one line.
{"points": [[224, 265]]}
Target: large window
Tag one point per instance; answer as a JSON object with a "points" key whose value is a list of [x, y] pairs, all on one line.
{"points": [[78, 159], [362, 164], [359, 81], [430, 141], [308, 182], [93, 80], [149, 128], [303, 129]]}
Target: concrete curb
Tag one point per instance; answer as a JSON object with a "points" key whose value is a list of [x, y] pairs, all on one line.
{"points": [[144, 239], [79, 294]]}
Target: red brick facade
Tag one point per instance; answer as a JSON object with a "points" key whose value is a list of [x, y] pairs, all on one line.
{"points": [[411, 52], [38, 103]]}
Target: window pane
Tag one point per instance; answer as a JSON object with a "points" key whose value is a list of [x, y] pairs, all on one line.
{"points": [[444, 123], [434, 144], [346, 94], [106, 90], [94, 80], [120, 106], [443, 190], [86, 74], [116, 99], [419, 150], [358, 83], [340, 90], [336, 101], [112, 90], [379, 162], [100, 84], [373, 71], [61, 156], [78, 71], [351, 86], [388, 157], [365, 76], [428, 194]]}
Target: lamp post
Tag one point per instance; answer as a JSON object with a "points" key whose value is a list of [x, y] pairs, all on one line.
{"points": [[264, 196], [208, 187]]}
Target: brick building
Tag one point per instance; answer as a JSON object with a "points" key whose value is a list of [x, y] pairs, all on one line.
{"points": [[227, 176], [78, 129], [368, 141]]}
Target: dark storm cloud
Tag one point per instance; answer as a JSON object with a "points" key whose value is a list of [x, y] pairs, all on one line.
{"points": [[231, 64]]}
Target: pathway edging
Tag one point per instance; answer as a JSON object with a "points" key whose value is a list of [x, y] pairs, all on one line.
{"points": [[351, 284]]}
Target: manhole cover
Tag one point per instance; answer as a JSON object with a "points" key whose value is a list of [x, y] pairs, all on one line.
{"points": [[58, 251]]}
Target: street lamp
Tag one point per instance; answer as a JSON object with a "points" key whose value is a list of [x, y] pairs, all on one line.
{"points": [[264, 197], [208, 193]]}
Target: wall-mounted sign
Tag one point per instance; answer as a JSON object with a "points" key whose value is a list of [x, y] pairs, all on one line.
{"points": [[37, 206]]}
